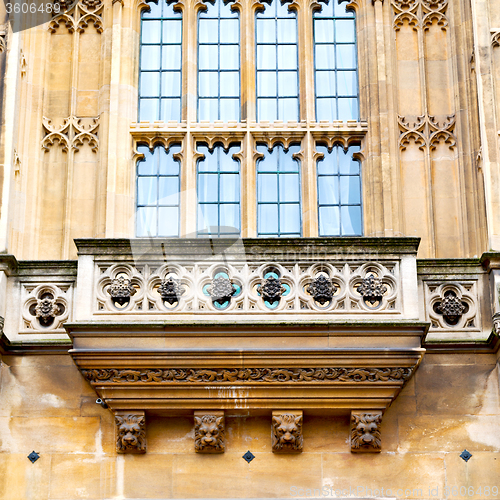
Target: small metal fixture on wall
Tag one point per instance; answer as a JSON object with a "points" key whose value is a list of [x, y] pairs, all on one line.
{"points": [[248, 456], [33, 457]]}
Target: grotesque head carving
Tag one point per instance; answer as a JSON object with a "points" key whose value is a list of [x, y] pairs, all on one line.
{"points": [[287, 432], [131, 434], [365, 431], [209, 433]]}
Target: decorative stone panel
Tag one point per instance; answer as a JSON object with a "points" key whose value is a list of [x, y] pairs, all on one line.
{"points": [[365, 431], [286, 432], [209, 432], [130, 432]]}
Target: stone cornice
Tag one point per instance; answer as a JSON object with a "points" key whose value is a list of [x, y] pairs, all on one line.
{"points": [[8, 264]]}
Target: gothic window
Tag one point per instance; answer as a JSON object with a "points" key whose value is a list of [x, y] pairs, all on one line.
{"points": [[218, 63], [218, 191], [335, 60], [277, 63], [158, 188], [278, 191], [339, 192], [160, 63]]}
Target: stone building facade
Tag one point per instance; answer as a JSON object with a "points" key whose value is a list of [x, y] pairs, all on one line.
{"points": [[250, 249]]}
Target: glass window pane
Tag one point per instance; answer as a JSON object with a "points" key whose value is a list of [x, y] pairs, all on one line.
{"points": [[289, 188], [323, 31], [350, 189], [230, 218], [208, 84], [287, 57], [266, 31], [327, 166], [346, 56], [207, 109], [267, 110], [287, 30], [351, 221], [150, 57], [344, 31], [288, 109], [286, 161], [208, 57], [208, 189], [208, 31], [325, 83], [270, 161], [326, 109], [147, 166], [230, 187], [266, 57], [266, 84], [229, 31], [151, 31], [171, 57], [146, 221], [328, 190], [290, 218], [230, 110], [329, 221], [154, 10], [169, 191], [171, 84], [209, 163], [172, 31], [348, 109], [229, 57], [208, 218], [170, 110], [150, 84], [148, 110], [147, 190], [324, 57], [267, 188], [287, 83], [230, 84], [168, 221], [347, 84], [267, 219], [169, 166]]}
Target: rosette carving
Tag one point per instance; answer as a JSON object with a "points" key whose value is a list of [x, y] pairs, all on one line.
{"points": [[121, 290], [271, 289], [221, 290], [372, 289], [322, 289], [171, 290]]}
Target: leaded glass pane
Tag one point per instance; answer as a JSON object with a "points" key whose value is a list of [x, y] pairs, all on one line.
{"points": [[218, 63], [339, 192]]}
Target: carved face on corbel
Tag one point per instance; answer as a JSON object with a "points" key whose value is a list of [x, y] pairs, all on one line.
{"points": [[287, 432], [209, 433], [365, 431], [131, 434]]}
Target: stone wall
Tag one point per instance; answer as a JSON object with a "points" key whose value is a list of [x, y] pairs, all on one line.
{"points": [[451, 404]]}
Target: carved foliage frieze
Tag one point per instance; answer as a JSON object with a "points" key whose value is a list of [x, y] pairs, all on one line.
{"points": [[365, 431], [71, 133], [420, 13], [248, 375], [77, 16], [252, 288], [286, 432], [209, 432], [45, 307], [426, 132], [130, 432], [452, 305]]}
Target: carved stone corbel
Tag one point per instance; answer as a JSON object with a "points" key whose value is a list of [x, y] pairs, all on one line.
{"points": [[496, 323], [286, 432], [130, 432], [209, 431], [365, 431]]}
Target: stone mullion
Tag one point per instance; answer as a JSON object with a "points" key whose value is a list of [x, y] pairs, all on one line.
{"points": [[248, 189], [306, 71], [189, 199], [308, 188], [247, 62], [190, 60]]}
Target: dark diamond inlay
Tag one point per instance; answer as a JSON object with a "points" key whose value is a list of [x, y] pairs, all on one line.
{"points": [[248, 456], [465, 455], [33, 456]]}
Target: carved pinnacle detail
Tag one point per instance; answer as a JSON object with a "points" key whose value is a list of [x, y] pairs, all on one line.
{"points": [[372, 289], [131, 433], [322, 289], [121, 290], [209, 431], [221, 290], [286, 432], [271, 289], [171, 290], [248, 375], [365, 432]]}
